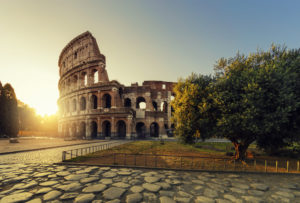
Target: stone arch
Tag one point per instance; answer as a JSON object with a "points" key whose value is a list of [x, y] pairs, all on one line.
{"points": [[106, 101], [95, 76], [140, 129], [82, 103], [140, 103], [75, 80], [154, 105], [106, 129], [127, 102], [164, 107], [94, 102], [74, 105], [84, 78], [121, 129], [73, 130], [82, 130], [154, 129], [94, 129]]}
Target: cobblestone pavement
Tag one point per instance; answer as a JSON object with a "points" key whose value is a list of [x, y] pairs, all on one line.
{"points": [[45, 156], [55, 183]]}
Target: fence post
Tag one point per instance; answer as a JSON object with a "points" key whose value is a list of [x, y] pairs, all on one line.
{"points": [[224, 164], [276, 166], [64, 155], [266, 164], [145, 160], [298, 166], [287, 166]]}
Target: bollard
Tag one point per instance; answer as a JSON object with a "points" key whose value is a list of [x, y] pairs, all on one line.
{"points": [[64, 155], [254, 164], [224, 164], [276, 166], [287, 166], [145, 160], [266, 164], [298, 166]]}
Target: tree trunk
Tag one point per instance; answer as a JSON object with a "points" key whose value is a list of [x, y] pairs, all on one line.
{"points": [[240, 151]]}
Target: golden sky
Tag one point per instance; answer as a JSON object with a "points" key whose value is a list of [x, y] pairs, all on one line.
{"points": [[142, 40]]}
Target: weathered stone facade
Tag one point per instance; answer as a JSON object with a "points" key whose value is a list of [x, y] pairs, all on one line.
{"points": [[92, 106]]}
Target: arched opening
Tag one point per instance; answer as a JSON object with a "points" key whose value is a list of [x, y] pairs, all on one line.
{"points": [[94, 128], [106, 101], [84, 78], [95, 76], [94, 102], [154, 129], [82, 131], [121, 129], [74, 105], [164, 107], [140, 130], [154, 105], [75, 80], [127, 102], [82, 103], [73, 130], [106, 129], [140, 103]]}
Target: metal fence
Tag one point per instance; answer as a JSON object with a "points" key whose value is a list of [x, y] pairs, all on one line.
{"points": [[200, 163], [73, 153]]}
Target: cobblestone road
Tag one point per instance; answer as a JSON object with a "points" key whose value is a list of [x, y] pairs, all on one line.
{"points": [[44, 156], [37, 183]]}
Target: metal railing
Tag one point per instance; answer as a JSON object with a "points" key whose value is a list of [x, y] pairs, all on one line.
{"points": [[73, 153], [199, 163]]}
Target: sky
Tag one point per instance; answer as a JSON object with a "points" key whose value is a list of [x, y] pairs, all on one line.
{"points": [[142, 40]]}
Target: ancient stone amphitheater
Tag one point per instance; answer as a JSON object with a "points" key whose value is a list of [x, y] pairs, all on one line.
{"points": [[92, 107]]}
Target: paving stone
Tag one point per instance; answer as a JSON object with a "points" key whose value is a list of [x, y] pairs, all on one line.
{"points": [[222, 201], [109, 174], [151, 179], [285, 194], [95, 188], [76, 177], [113, 193], [97, 201], [48, 183], [89, 180], [240, 186], [134, 198], [136, 189], [210, 193], [63, 173], [70, 187], [19, 197], [182, 199], [121, 184], [233, 198], [151, 187], [68, 196], [259, 186], [164, 185], [38, 175], [106, 181], [51, 195], [253, 199], [279, 198], [166, 193], [165, 199], [84, 198], [44, 190], [114, 201], [296, 193], [36, 200], [237, 190], [256, 192], [150, 197], [203, 199], [200, 182], [124, 173]]}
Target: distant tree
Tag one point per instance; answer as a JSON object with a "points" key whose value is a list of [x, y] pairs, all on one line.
{"points": [[193, 108], [258, 99], [28, 118], [10, 111]]}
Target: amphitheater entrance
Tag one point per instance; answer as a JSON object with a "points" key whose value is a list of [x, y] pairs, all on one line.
{"points": [[140, 130], [82, 130], [121, 129], [94, 128], [106, 129], [154, 129]]}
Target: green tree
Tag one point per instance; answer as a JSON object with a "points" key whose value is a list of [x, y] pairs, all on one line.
{"points": [[258, 99], [10, 120], [193, 108]]}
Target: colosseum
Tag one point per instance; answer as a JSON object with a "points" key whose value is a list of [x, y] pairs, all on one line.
{"points": [[93, 107]]}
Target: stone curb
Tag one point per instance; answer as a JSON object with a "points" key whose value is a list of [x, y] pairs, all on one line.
{"points": [[177, 169], [30, 150]]}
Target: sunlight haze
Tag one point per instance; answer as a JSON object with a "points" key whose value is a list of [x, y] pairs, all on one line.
{"points": [[142, 40]]}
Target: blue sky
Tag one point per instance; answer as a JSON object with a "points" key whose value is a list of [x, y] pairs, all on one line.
{"points": [[142, 40]]}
